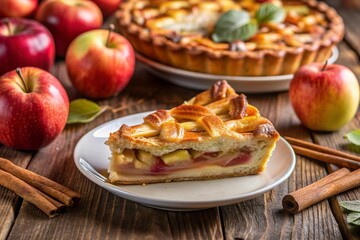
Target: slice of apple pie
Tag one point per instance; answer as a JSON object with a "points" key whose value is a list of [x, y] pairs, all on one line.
{"points": [[216, 134]]}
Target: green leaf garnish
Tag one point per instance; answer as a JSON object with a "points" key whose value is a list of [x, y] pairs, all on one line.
{"points": [[270, 13], [243, 33], [83, 111], [353, 206], [352, 210], [353, 218], [228, 25], [236, 25], [354, 137], [248, 30]]}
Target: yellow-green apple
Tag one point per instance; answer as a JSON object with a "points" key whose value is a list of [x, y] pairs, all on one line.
{"points": [[17, 8], [100, 63], [66, 19], [324, 97], [107, 6], [34, 108], [24, 42]]}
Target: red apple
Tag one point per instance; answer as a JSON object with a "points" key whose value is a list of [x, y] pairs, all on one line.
{"points": [[24, 42], [33, 108], [107, 6], [17, 8], [324, 98], [66, 19], [100, 66]]}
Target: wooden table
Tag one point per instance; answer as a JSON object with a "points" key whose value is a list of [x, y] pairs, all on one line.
{"points": [[102, 215]]}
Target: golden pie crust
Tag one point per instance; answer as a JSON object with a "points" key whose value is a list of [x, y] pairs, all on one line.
{"points": [[217, 131], [276, 49]]}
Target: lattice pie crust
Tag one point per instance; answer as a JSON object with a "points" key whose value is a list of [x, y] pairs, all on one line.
{"points": [[216, 134]]}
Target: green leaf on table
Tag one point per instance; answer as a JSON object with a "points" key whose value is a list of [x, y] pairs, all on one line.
{"points": [[83, 111], [234, 25], [354, 137], [353, 218], [270, 13], [353, 206]]}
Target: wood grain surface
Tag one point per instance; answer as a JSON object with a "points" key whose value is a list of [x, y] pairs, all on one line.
{"points": [[102, 215]]}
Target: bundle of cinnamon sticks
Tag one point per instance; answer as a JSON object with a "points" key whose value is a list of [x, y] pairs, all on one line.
{"points": [[49, 196], [331, 185]]}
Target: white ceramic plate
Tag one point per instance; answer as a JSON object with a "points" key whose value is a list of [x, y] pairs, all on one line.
{"points": [[201, 81], [179, 196]]}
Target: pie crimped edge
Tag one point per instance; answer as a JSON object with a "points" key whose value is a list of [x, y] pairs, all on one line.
{"points": [[220, 62]]}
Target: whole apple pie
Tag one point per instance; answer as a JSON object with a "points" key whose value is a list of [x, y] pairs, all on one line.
{"points": [[232, 37], [216, 134]]}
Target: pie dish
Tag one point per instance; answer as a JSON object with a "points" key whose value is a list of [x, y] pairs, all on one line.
{"points": [[202, 81], [180, 34], [91, 157], [216, 134]]}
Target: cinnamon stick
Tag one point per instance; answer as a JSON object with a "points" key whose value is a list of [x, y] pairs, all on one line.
{"points": [[333, 184], [54, 189], [313, 193], [327, 158], [62, 197], [319, 148], [60, 206], [28, 193]]}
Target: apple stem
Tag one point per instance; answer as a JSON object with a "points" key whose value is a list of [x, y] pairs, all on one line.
{"points": [[115, 110], [325, 65], [19, 73], [111, 29], [8, 26]]}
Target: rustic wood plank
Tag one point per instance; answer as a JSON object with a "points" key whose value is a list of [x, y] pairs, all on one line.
{"points": [[351, 19], [183, 224]]}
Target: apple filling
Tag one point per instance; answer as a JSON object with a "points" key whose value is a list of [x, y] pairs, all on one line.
{"points": [[142, 162]]}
